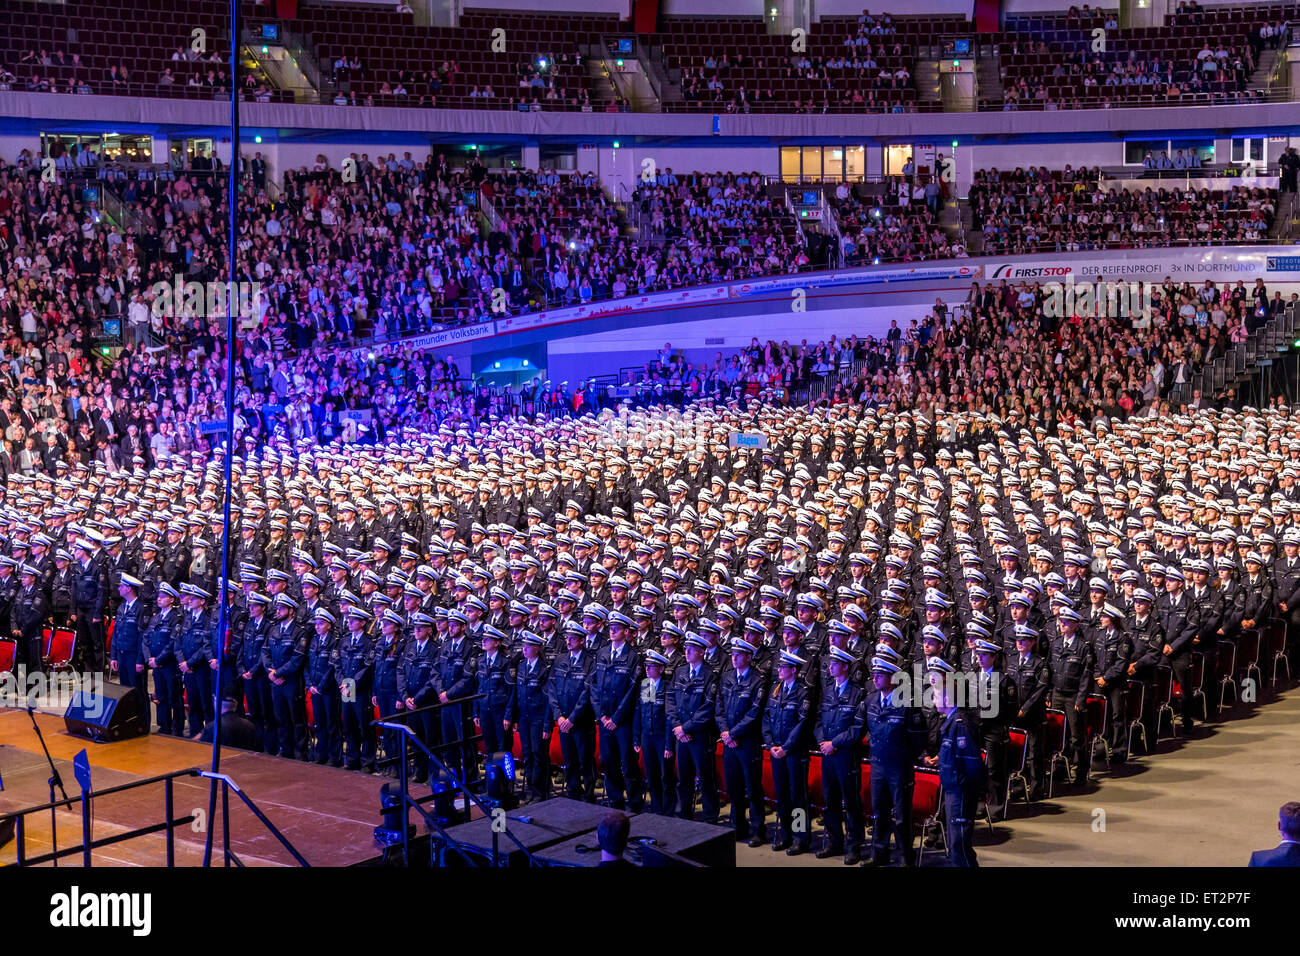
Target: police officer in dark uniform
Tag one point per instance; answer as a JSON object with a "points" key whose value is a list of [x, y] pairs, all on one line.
{"points": [[158, 649], [451, 680], [531, 713], [61, 589], [494, 679], [742, 695], [89, 605], [322, 680], [1072, 666], [997, 696], [419, 659], [650, 733], [961, 768], [356, 667], [194, 656], [692, 720], [897, 733], [27, 618], [390, 694], [256, 685], [131, 621], [615, 680], [571, 707], [284, 655], [786, 734], [1181, 619], [1114, 652], [1028, 673], [838, 735]]}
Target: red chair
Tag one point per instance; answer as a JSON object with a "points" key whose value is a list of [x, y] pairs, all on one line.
{"points": [[8, 653], [816, 796], [108, 639], [719, 778], [311, 717], [557, 752], [1054, 738], [1015, 766], [769, 785], [926, 800], [60, 645], [866, 789]]}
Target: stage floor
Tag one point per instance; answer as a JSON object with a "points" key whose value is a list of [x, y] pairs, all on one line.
{"points": [[327, 814]]}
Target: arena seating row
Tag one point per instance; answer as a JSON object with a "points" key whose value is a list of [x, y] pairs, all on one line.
{"points": [[762, 72]]}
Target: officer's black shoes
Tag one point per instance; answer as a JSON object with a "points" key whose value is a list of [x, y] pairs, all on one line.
{"points": [[782, 843], [757, 840], [874, 861], [931, 841], [420, 778], [799, 849], [852, 857], [336, 763], [828, 851]]}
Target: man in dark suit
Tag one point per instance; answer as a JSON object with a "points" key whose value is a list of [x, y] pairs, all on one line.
{"points": [[1286, 853], [8, 461]]}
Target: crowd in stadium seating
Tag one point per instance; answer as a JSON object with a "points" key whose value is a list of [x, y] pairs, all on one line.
{"points": [[902, 225], [67, 270], [714, 227], [1033, 210], [401, 249], [848, 64]]}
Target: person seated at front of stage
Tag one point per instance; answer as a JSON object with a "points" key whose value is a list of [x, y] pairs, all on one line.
{"points": [[612, 833], [1286, 853], [236, 729]]}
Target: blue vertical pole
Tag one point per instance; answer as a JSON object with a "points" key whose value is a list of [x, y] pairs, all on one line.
{"points": [[232, 300]]}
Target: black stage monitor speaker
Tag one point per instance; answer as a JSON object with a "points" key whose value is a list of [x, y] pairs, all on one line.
{"points": [[113, 713]]}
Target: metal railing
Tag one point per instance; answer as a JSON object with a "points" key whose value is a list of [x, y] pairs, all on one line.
{"points": [[406, 736], [1243, 361], [167, 826]]}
